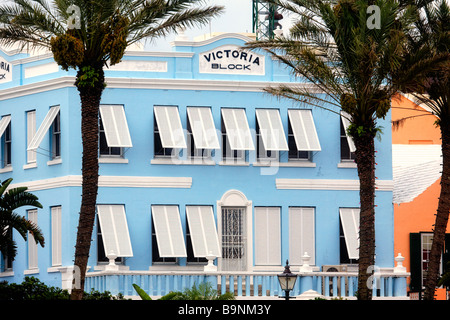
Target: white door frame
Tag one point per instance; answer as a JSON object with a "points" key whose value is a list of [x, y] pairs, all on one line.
{"points": [[235, 198]]}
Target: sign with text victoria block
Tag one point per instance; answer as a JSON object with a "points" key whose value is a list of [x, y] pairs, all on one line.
{"points": [[230, 59]]}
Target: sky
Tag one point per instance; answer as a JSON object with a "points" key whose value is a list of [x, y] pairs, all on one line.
{"points": [[237, 18]]}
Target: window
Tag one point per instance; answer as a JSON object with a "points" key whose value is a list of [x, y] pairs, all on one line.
{"points": [[31, 131], [302, 135], [56, 236], [349, 235], [301, 235], [56, 138], [32, 246], [427, 240], [202, 231], [42, 131], [267, 236], [168, 234], [227, 152], [420, 246], [5, 133], [347, 145], [294, 153], [114, 133], [270, 136], [7, 146], [7, 264], [202, 136], [113, 232], [168, 132], [236, 136], [105, 150]]}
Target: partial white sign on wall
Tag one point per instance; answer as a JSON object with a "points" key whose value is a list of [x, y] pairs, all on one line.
{"points": [[5, 71], [140, 65], [231, 59]]}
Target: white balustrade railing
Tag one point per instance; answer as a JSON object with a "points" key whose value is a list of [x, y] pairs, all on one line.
{"points": [[250, 284]]}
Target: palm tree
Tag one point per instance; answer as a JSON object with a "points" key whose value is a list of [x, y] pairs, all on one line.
{"points": [[347, 61], [430, 40], [87, 35], [11, 200]]}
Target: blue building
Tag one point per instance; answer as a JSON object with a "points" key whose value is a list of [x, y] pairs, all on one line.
{"points": [[195, 160]]}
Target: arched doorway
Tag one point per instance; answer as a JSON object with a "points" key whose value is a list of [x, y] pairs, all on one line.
{"points": [[234, 221]]}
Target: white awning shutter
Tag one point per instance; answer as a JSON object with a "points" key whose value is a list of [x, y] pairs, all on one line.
{"points": [[238, 131], [169, 126], [350, 225], [271, 130], [203, 129], [169, 232], [304, 130], [114, 227], [203, 231], [115, 126], [42, 131], [346, 123]]}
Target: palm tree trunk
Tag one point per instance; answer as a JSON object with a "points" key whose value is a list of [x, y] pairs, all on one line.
{"points": [[365, 160], [440, 225], [90, 101]]}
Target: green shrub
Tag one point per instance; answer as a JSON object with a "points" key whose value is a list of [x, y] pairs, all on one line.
{"points": [[33, 289], [203, 292]]}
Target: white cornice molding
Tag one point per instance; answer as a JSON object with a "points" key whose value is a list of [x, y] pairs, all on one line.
{"points": [[32, 88], [139, 83], [108, 181], [193, 43], [329, 184]]}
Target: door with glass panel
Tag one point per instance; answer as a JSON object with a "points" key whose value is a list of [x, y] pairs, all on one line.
{"points": [[234, 238]]}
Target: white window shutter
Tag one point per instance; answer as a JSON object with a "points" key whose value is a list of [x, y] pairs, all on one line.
{"points": [[237, 129], [31, 131], [203, 129], [115, 126], [42, 131], [56, 236], [304, 130], [203, 231], [267, 236], [301, 235], [114, 228], [169, 232], [346, 124], [350, 225], [32, 246], [169, 126], [271, 129]]}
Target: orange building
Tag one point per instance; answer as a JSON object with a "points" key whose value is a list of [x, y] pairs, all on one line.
{"points": [[416, 159]]}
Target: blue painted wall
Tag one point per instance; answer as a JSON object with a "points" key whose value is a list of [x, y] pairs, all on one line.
{"points": [[209, 182]]}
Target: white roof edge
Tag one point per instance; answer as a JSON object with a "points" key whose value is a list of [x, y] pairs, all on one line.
{"points": [[214, 38]]}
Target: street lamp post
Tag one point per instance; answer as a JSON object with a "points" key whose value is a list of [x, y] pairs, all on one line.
{"points": [[287, 281]]}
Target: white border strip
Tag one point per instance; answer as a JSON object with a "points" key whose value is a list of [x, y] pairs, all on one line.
{"points": [[329, 184], [108, 181]]}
